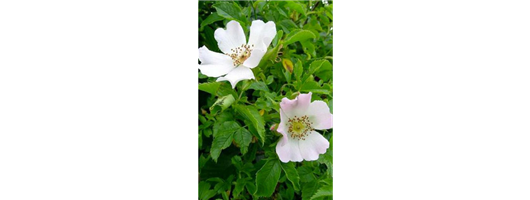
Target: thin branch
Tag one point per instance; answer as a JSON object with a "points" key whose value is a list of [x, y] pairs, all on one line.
{"points": [[312, 9]]}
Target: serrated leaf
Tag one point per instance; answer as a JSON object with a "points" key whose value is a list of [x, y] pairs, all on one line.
{"points": [[222, 138], [308, 189], [292, 174], [324, 191], [298, 35], [210, 87], [251, 114], [239, 186], [229, 11], [306, 174], [243, 138], [267, 178], [327, 159]]}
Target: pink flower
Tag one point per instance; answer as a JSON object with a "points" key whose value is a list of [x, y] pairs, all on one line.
{"points": [[299, 119]]}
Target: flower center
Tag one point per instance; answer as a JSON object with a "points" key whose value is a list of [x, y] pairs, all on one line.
{"points": [[299, 127], [240, 54]]}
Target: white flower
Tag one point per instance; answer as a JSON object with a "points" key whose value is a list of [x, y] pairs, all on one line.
{"points": [[299, 119], [239, 56]]}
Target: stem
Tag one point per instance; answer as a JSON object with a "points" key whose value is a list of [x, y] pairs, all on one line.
{"points": [[281, 89], [312, 9]]}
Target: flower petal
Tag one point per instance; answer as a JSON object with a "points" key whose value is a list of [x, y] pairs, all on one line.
{"points": [[297, 106], [254, 59], [230, 38], [282, 127], [288, 150], [318, 113], [214, 64], [237, 74], [261, 34], [313, 145]]}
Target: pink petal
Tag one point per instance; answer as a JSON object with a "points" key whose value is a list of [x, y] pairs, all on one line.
{"points": [[297, 106], [288, 150], [318, 113], [313, 145], [282, 127]]}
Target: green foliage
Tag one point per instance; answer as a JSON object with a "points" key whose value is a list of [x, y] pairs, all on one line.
{"points": [[237, 149]]}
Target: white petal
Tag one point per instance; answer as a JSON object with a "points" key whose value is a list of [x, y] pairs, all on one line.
{"points": [[261, 34], [297, 106], [230, 38], [237, 74], [214, 64], [313, 145], [214, 70], [318, 113], [288, 150], [254, 59]]}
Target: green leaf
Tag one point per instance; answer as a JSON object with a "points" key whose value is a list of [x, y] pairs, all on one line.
{"points": [[297, 6], [309, 48], [251, 188], [306, 174], [320, 66], [251, 114], [277, 38], [270, 55], [210, 19], [222, 103], [243, 138], [222, 138], [298, 35], [237, 162], [258, 85], [204, 191], [229, 11], [312, 86], [239, 187], [292, 174], [308, 189], [287, 75], [330, 104], [267, 178], [324, 191], [202, 161], [327, 159], [209, 87], [270, 79], [298, 69]]}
